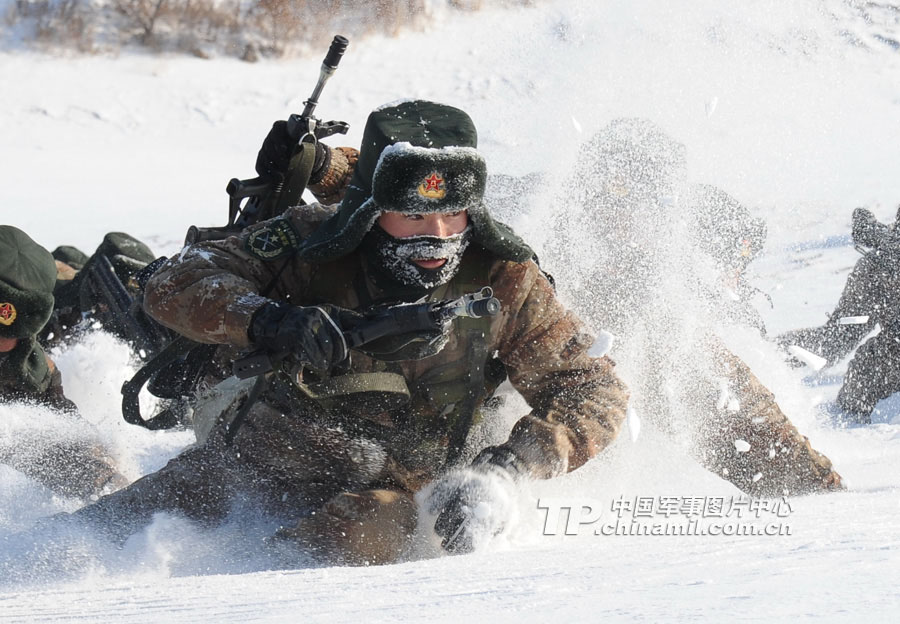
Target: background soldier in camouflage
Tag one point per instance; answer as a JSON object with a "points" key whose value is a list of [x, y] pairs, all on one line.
{"points": [[28, 275], [357, 446], [869, 299], [655, 261]]}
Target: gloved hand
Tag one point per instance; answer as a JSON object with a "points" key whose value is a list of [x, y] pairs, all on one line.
{"points": [[475, 505], [279, 147], [866, 228], [313, 334]]}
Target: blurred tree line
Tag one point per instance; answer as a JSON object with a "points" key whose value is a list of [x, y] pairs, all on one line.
{"points": [[244, 28]]}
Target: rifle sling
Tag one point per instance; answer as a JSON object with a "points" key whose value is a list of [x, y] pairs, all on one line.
{"points": [[295, 181], [476, 355], [131, 410]]}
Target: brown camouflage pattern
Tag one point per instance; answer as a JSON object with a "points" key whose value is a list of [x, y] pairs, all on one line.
{"points": [[358, 528], [211, 291], [360, 473], [330, 189], [780, 460]]}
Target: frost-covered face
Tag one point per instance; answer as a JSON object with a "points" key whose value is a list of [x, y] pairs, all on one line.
{"points": [[438, 225], [420, 251]]}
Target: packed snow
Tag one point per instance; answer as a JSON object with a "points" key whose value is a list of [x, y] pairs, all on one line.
{"points": [[793, 107]]}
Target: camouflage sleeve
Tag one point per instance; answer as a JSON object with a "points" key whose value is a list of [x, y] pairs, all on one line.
{"points": [[329, 189], [210, 291], [578, 403], [54, 395]]}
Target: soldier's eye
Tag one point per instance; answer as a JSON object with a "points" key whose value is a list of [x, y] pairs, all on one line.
{"points": [[414, 217]]}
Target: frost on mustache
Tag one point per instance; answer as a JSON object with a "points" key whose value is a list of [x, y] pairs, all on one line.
{"points": [[398, 258]]}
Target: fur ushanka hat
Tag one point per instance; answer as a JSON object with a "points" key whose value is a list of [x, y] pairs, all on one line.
{"points": [[416, 157]]}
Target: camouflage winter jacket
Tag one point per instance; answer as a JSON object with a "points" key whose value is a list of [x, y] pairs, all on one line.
{"points": [[28, 374], [210, 291]]}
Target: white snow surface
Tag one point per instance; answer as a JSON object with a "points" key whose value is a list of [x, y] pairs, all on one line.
{"points": [[789, 105]]}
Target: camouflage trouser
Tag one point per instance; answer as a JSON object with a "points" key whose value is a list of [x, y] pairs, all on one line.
{"points": [[288, 467], [866, 295], [754, 445], [358, 528], [74, 468], [873, 374]]}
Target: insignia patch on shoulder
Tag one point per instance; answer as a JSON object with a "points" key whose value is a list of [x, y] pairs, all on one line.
{"points": [[433, 186], [7, 313], [276, 240]]}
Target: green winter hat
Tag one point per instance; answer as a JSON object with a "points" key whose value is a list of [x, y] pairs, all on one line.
{"points": [[27, 278], [416, 157]]}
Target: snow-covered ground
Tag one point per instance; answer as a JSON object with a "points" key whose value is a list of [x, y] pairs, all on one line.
{"points": [[791, 106]]}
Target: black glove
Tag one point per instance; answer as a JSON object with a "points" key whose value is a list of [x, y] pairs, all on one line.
{"points": [[866, 231], [475, 505], [279, 147], [313, 334]]}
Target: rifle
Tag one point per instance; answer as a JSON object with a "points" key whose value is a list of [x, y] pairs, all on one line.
{"points": [[385, 322], [382, 322], [258, 199], [175, 368], [115, 307]]}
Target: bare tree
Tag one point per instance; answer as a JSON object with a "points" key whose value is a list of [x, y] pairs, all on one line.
{"points": [[142, 14]]}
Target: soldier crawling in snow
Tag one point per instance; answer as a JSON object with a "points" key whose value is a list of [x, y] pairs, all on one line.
{"points": [[645, 257], [361, 431], [28, 276], [869, 299]]}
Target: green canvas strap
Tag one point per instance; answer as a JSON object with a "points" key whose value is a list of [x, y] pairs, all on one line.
{"points": [[476, 356], [473, 276], [296, 179], [387, 390]]}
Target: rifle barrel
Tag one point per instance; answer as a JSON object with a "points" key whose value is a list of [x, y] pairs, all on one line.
{"points": [[329, 65]]}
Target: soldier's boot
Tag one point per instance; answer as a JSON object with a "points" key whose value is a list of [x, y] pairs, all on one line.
{"points": [[756, 447], [873, 375], [863, 297], [358, 528]]}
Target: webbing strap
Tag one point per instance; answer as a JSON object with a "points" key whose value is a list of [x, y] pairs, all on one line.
{"points": [[296, 179], [476, 355]]}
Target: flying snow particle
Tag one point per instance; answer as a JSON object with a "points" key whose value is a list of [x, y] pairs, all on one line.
{"points": [[809, 358], [742, 446], [482, 510], [603, 344], [634, 423], [711, 106], [853, 320]]}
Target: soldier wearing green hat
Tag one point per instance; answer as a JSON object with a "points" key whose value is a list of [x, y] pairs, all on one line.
{"points": [[28, 276], [360, 432]]}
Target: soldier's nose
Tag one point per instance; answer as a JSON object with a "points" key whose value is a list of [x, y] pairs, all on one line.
{"points": [[438, 227]]}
